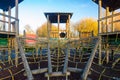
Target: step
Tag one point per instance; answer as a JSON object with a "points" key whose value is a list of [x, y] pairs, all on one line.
{"points": [[57, 74]]}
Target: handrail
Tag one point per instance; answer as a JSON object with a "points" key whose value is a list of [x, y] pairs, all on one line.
{"points": [[9, 16], [26, 66], [117, 14], [89, 63]]}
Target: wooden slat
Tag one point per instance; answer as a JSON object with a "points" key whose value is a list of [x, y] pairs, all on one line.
{"points": [[74, 69], [38, 71], [55, 74]]}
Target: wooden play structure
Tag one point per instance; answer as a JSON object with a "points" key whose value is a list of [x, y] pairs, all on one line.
{"points": [[88, 58]]}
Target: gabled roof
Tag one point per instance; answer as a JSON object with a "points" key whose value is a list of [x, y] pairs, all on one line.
{"points": [[53, 17], [4, 4], [112, 4]]}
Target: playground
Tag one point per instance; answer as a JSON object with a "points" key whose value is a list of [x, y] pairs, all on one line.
{"points": [[58, 56]]}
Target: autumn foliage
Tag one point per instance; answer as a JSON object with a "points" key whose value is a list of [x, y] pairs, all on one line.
{"points": [[42, 31], [87, 25]]}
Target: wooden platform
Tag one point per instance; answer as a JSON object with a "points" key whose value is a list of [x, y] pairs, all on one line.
{"points": [[5, 34], [109, 33]]}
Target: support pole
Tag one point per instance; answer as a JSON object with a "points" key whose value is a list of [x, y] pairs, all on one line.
{"points": [[16, 30], [68, 26], [4, 20], [9, 22], [107, 14], [24, 35], [18, 44], [66, 60], [67, 29], [107, 51], [37, 46], [16, 16], [58, 35], [112, 24], [13, 26], [48, 47], [99, 29]]}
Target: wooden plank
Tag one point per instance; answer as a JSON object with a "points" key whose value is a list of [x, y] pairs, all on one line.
{"points": [[26, 65], [55, 74], [38, 71], [89, 63], [7, 32], [66, 60], [74, 69], [3, 21], [117, 14], [9, 16], [110, 33]]}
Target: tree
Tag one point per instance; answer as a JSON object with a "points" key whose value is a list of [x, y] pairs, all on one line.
{"points": [[42, 30], [87, 25]]}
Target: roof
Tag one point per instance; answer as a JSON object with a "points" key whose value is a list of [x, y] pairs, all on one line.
{"points": [[112, 4], [4, 4], [53, 17]]}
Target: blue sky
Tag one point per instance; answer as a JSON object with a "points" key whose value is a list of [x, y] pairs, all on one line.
{"points": [[32, 11]]}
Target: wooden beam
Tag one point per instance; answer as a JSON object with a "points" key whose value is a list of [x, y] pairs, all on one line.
{"points": [[112, 19], [9, 20], [117, 14], [99, 29], [9, 16], [38, 71], [48, 47], [89, 63], [66, 60], [74, 69], [26, 66], [16, 16], [56, 74], [4, 19], [106, 20]]}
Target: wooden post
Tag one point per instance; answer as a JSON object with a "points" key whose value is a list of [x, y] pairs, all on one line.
{"points": [[112, 24], [107, 14], [4, 19], [37, 46], [68, 26], [26, 66], [48, 47], [16, 16], [107, 51], [16, 26], [13, 26], [66, 59], [99, 29], [9, 22], [58, 35], [102, 24], [24, 35]]}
